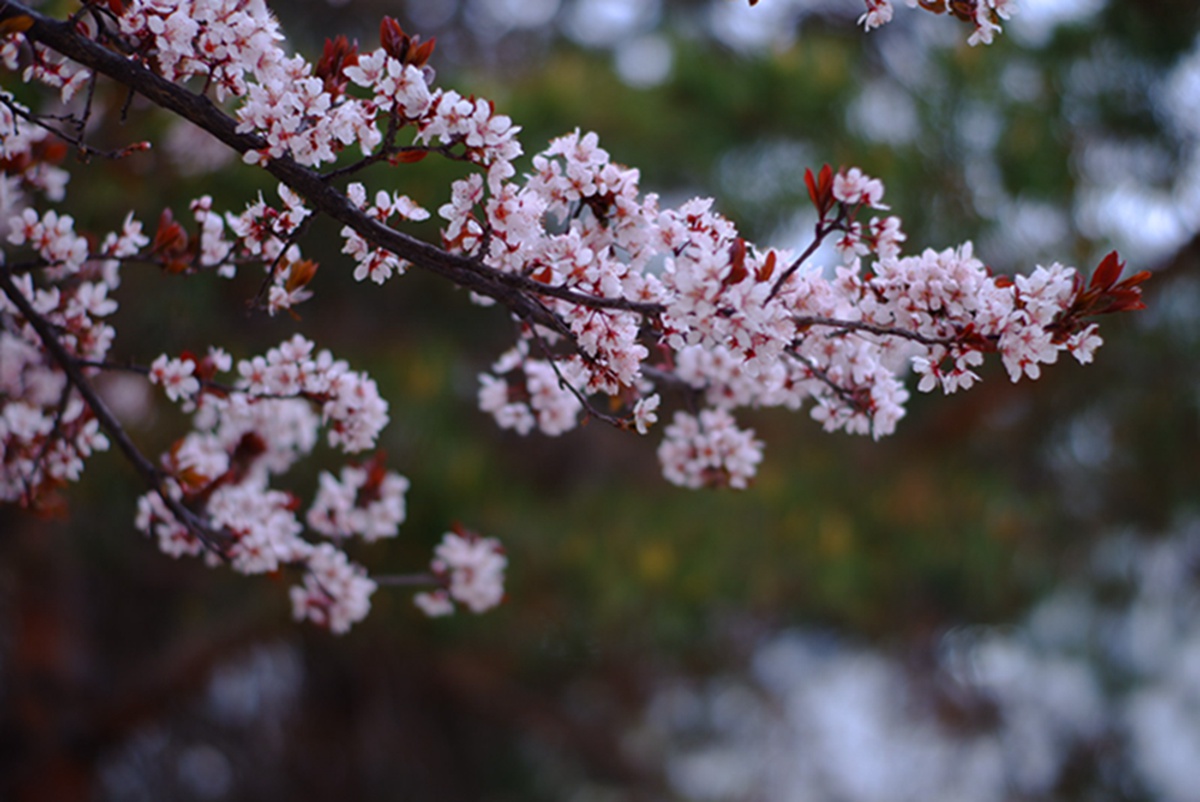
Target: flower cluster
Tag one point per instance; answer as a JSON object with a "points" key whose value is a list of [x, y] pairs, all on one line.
{"points": [[470, 571], [256, 429], [335, 594], [522, 393], [375, 263], [709, 450], [367, 501], [648, 294], [219, 40], [31, 157]]}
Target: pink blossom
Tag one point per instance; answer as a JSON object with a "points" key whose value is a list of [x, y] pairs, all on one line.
{"points": [[175, 376], [473, 569]]}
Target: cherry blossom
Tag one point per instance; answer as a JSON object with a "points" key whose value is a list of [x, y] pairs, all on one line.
{"points": [[365, 501], [335, 593], [471, 570], [175, 376]]}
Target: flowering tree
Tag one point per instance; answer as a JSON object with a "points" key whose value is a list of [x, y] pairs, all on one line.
{"points": [[622, 304]]}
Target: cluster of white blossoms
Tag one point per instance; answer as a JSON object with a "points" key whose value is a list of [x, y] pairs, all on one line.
{"points": [[624, 306], [32, 150], [335, 594], [378, 264], [366, 501], [533, 393], [245, 434], [218, 40], [470, 570], [709, 449], [659, 293]]}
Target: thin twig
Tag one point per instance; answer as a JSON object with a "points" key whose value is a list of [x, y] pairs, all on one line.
{"points": [[85, 150], [851, 396], [566, 385], [822, 229], [872, 328], [405, 580]]}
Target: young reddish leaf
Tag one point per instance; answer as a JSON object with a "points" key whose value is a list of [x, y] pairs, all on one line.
{"points": [[301, 272], [245, 454], [376, 472], [812, 187], [420, 53], [337, 55], [393, 39], [820, 189], [407, 157], [767, 269], [170, 238], [1134, 280], [825, 183], [17, 24], [1107, 273], [737, 262], [171, 244]]}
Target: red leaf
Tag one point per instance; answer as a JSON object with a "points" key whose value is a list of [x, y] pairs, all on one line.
{"points": [[820, 189], [421, 53], [767, 269], [301, 272], [407, 157], [170, 239], [812, 187], [826, 180], [338, 54], [1107, 273], [737, 262], [17, 24], [1134, 280], [393, 39]]}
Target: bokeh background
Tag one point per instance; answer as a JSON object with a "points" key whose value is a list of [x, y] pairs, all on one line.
{"points": [[997, 603]]}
